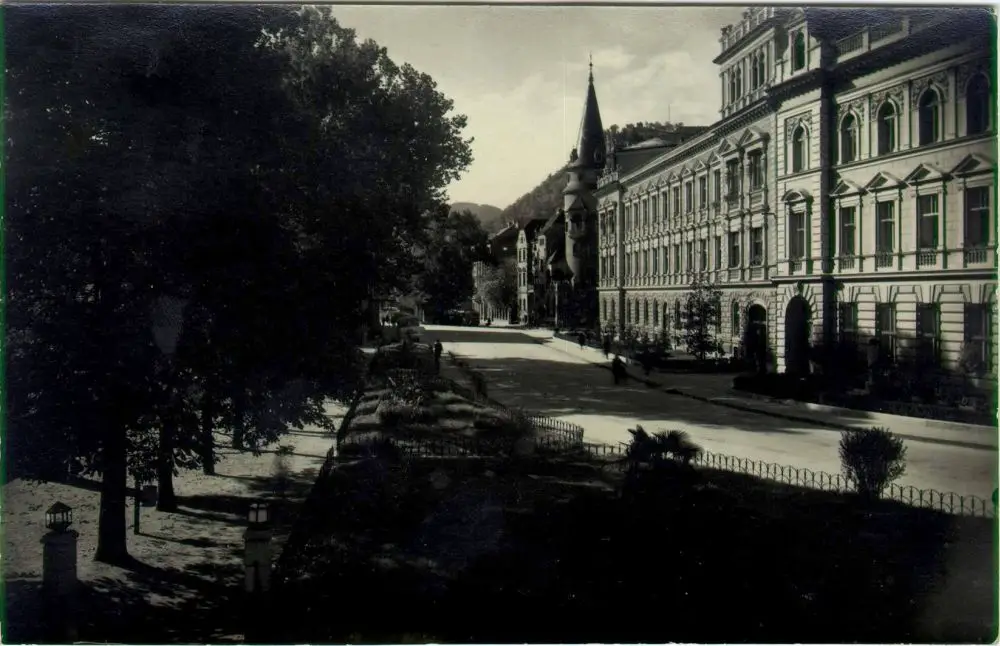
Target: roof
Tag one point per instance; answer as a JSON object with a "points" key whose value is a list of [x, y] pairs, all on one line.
{"points": [[533, 225], [590, 147], [555, 220]]}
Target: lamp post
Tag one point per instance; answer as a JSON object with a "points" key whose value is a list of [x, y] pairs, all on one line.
{"points": [[257, 564], [59, 579]]}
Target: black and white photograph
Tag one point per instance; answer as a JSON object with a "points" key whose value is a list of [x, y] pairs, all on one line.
{"points": [[509, 323]]}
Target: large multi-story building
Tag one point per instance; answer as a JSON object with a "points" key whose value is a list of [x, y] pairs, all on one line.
{"points": [[847, 192]]}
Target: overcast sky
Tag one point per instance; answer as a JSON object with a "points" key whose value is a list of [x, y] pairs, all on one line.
{"points": [[520, 75]]}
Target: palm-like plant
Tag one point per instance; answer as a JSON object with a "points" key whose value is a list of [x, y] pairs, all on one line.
{"points": [[660, 452]]}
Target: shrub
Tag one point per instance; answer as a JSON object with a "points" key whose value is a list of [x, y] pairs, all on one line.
{"points": [[872, 458], [659, 462]]}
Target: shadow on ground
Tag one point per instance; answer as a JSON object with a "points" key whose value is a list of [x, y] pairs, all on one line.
{"points": [[545, 551]]}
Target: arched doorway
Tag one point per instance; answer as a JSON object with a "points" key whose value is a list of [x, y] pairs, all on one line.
{"points": [[755, 336], [797, 337]]}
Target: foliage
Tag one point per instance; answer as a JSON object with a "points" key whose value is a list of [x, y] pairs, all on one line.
{"points": [[232, 157], [873, 459], [703, 305], [656, 461], [541, 202], [498, 285], [634, 133], [453, 243]]}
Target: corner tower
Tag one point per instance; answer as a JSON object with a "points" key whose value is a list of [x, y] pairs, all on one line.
{"points": [[586, 161]]}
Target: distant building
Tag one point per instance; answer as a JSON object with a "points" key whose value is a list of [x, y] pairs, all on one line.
{"points": [[502, 248], [846, 193], [527, 267]]}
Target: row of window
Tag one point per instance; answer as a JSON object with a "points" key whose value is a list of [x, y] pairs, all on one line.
{"points": [[654, 262], [756, 66], [976, 224], [641, 213], [977, 331]]}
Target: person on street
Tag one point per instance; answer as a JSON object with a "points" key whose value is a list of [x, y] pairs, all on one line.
{"points": [[438, 349], [618, 370], [607, 345], [582, 339], [647, 361]]}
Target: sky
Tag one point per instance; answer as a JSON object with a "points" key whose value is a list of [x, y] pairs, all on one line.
{"points": [[519, 73]]}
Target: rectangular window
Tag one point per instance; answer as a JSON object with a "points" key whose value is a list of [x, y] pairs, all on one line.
{"points": [[847, 231], [702, 192], [977, 217], [928, 332], [977, 355], [797, 235], [717, 186], [756, 247], [927, 220], [688, 197], [677, 200], [678, 323], [703, 255], [653, 203], [756, 170], [718, 252], [689, 256], [885, 330], [734, 249], [885, 234], [628, 264], [677, 259], [732, 179], [656, 261], [666, 259], [847, 315]]}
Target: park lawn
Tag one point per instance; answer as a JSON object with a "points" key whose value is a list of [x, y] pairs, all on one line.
{"points": [[544, 550], [185, 584]]}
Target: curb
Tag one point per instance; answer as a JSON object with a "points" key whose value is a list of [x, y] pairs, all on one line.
{"points": [[786, 416]]}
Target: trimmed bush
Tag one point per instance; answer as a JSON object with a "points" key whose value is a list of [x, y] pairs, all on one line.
{"points": [[872, 458]]}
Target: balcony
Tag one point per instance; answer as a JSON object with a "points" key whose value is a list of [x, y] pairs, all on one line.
{"points": [[927, 258], [796, 266], [884, 260], [610, 177], [752, 19], [846, 263], [984, 256], [757, 273], [877, 36]]}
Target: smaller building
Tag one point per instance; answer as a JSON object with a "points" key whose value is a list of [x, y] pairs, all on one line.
{"points": [[502, 248], [527, 267]]}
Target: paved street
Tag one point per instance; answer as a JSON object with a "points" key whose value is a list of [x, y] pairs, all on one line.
{"points": [[542, 379]]}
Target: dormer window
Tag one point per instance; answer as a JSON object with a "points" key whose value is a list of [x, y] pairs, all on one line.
{"points": [[799, 51]]}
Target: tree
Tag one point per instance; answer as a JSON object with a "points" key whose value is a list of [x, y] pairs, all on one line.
{"points": [[454, 242], [498, 286], [273, 180], [702, 308]]}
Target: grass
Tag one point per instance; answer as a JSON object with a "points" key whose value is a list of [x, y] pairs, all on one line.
{"points": [[185, 582], [545, 550]]}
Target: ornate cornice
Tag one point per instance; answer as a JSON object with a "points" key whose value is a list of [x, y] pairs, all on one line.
{"points": [[938, 79], [895, 94]]}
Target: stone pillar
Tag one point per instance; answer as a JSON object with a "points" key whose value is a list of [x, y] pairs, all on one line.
{"points": [[59, 584], [257, 559]]}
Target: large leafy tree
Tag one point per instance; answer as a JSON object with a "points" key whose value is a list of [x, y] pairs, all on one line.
{"points": [[453, 242], [261, 164], [498, 287]]}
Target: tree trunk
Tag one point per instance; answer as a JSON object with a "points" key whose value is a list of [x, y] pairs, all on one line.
{"points": [[207, 444], [239, 420], [111, 531], [167, 499]]}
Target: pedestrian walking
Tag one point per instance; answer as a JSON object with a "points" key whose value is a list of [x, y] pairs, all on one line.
{"points": [[582, 339], [438, 349], [618, 370], [607, 345]]}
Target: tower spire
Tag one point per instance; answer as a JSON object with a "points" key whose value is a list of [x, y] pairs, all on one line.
{"points": [[591, 80]]}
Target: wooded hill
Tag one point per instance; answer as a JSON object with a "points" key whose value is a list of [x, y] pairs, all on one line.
{"points": [[543, 200]]}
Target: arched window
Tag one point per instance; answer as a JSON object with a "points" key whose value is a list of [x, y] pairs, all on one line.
{"points": [[677, 315], [798, 149], [977, 105], [739, 84], [628, 312], [637, 320], [929, 117], [754, 81], [761, 69], [799, 51], [656, 313], [735, 319], [886, 128], [848, 139], [732, 86], [645, 313]]}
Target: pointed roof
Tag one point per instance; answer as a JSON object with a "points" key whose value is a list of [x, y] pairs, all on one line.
{"points": [[591, 148]]}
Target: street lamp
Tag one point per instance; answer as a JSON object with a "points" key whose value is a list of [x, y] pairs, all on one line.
{"points": [[258, 515], [257, 548], [58, 517]]}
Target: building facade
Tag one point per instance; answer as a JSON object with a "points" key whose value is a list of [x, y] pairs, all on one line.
{"points": [[847, 193]]}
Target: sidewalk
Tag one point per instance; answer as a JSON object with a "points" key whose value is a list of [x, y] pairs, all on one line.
{"points": [[717, 389]]}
